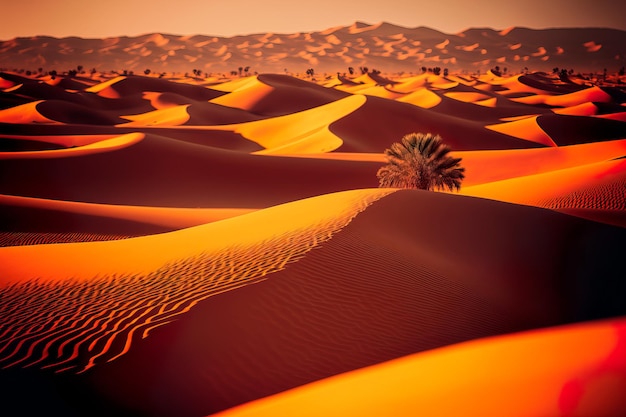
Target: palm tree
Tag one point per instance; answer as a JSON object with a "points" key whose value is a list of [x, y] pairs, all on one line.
{"points": [[421, 161]]}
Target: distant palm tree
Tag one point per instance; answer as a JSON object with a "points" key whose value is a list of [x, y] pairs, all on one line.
{"points": [[421, 161]]}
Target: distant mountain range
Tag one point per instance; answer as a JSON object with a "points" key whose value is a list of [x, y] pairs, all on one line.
{"points": [[383, 46]]}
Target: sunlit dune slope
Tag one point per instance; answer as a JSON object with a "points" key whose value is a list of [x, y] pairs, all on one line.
{"points": [[600, 186], [25, 113], [556, 372], [63, 221], [277, 95], [306, 131], [527, 129], [544, 187], [149, 281], [489, 166], [413, 272], [589, 95], [107, 144]]}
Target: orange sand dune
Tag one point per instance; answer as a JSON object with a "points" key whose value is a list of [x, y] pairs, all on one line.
{"points": [[380, 122], [593, 94], [137, 212], [54, 112], [144, 264], [25, 113], [276, 95], [142, 255], [125, 86], [382, 288], [489, 166], [4, 83], [576, 370], [171, 116], [423, 98], [596, 186], [67, 141], [169, 218], [379, 91], [104, 89], [571, 130], [106, 145], [302, 132], [467, 97], [614, 116], [164, 100], [527, 129], [243, 93], [187, 175], [583, 109], [514, 85], [410, 84]]}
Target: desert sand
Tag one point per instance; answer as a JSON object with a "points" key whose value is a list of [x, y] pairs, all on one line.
{"points": [[197, 246]]}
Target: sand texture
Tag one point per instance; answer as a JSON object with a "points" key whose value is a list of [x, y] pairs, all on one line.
{"points": [[218, 244]]}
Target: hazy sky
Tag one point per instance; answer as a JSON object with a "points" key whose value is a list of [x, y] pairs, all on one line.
{"points": [[231, 17]]}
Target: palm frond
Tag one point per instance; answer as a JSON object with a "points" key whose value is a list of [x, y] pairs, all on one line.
{"points": [[421, 160]]}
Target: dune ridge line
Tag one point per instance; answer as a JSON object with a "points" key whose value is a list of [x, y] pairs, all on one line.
{"points": [[81, 323]]}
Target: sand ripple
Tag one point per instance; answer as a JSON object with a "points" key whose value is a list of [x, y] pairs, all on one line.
{"points": [[73, 326]]}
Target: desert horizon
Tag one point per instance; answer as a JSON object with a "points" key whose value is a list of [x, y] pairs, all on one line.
{"points": [[383, 46], [201, 226]]}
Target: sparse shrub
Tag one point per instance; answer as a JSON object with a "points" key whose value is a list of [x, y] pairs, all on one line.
{"points": [[421, 161]]}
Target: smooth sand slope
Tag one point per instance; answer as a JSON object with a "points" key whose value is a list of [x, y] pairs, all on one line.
{"points": [[587, 380]]}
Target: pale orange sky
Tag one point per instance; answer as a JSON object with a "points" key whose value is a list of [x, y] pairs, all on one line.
{"points": [[227, 18]]}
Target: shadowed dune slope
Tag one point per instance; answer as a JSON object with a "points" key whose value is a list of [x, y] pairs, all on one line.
{"points": [[414, 271], [502, 108], [162, 172], [124, 86], [66, 112], [586, 380], [43, 91], [29, 221], [572, 130], [370, 128], [221, 139]]}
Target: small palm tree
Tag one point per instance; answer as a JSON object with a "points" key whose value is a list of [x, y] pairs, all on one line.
{"points": [[421, 161]]}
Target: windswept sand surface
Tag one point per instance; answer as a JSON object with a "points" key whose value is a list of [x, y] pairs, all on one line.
{"points": [[176, 246]]}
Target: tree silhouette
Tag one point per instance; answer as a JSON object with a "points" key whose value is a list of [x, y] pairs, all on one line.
{"points": [[421, 161]]}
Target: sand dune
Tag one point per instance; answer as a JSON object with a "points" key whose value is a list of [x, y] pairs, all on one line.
{"points": [[64, 221], [595, 186], [555, 385], [388, 270], [489, 166], [527, 129], [277, 95], [136, 212], [142, 267]]}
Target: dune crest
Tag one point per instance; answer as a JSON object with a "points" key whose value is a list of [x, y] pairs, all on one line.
{"points": [[105, 145], [157, 297]]}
